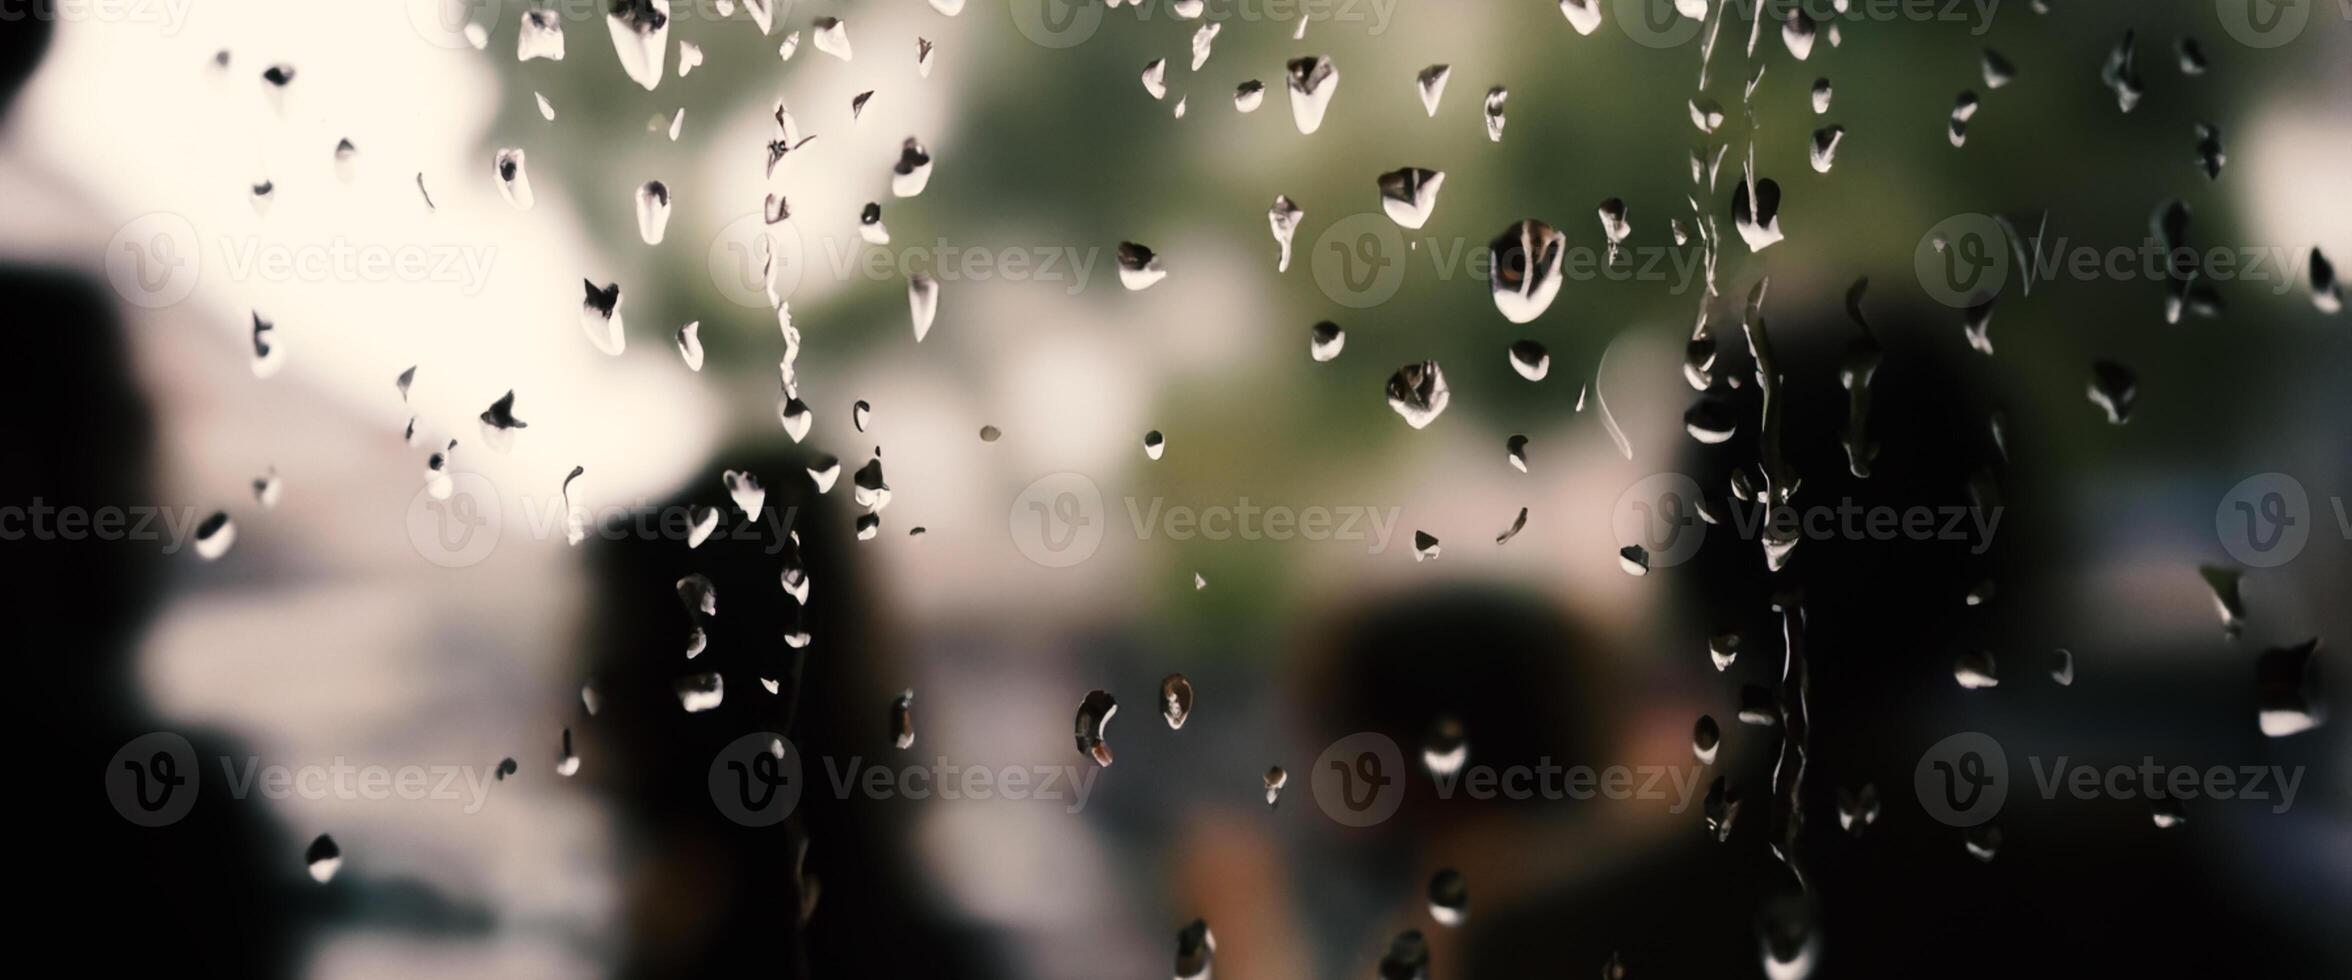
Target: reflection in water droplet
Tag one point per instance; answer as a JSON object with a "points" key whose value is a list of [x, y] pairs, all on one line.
{"points": [[1494, 113], [1446, 748], [499, 424], [1525, 260], [1419, 393], [1976, 670], [1634, 560], [1155, 78], [1821, 95], [1408, 195], [2114, 388], [1195, 951], [1431, 83], [1312, 82], [1325, 341], [2120, 75], [1721, 809], [1248, 95], [1518, 524], [2226, 598], [541, 36], [1723, 649], [922, 302], [2286, 689], [698, 693], [831, 36], [912, 172], [215, 535], [1175, 700], [2168, 813], [1275, 780], [1858, 809], [690, 345], [1516, 451], [1284, 218], [653, 211], [1094, 720], [1154, 444], [323, 859], [641, 37], [600, 317], [1983, 841], [1706, 739], [2062, 667], [1530, 359], [1201, 41], [1997, 70], [1449, 897], [1426, 546], [1407, 957], [1138, 267], [902, 719]]}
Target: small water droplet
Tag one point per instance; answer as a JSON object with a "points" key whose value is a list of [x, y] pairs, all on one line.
{"points": [[1431, 83], [600, 317], [1449, 897], [1094, 720], [215, 535], [1313, 81], [323, 859], [1976, 670], [1706, 739], [1175, 700], [1418, 392], [499, 424], [1139, 268]]}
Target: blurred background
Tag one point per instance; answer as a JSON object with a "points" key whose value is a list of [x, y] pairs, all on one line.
{"points": [[345, 625]]}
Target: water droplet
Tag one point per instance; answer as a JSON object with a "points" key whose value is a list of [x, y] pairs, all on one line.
{"points": [[1821, 96], [1706, 114], [1858, 809], [1723, 649], [1431, 83], [690, 345], [1407, 957], [1201, 41], [1284, 219], [698, 693], [2209, 154], [346, 161], [859, 413], [1963, 109], [323, 858], [1721, 808], [689, 57], [1983, 841], [653, 211], [831, 36], [824, 472], [795, 415], [2062, 667], [1583, 15], [268, 356], [1325, 341], [1706, 739], [641, 37], [1446, 748], [922, 302], [1175, 700], [1408, 195], [541, 36], [546, 108], [499, 424], [1449, 897], [1419, 393], [1755, 210], [1634, 560], [507, 767], [902, 719], [2192, 56], [1997, 70], [1494, 113], [1313, 81], [1525, 262], [1757, 707], [1195, 951], [2286, 689], [1517, 524], [1516, 450], [267, 488], [1531, 360], [600, 317], [2224, 583], [923, 51], [1094, 720], [990, 433], [265, 193], [2120, 75], [2167, 814], [1275, 780], [514, 182], [567, 763], [1155, 78], [912, 172], [1825, 146], [2326, 293], [868, 487], [438, 484], [1788, 936], [2114, 388], [1976, 670], [1138, 267], [696, 642], [1154, 444], [1199, 582], [214, 536], [1248, 95], [1797, 33], [575, 517], [1977, 322], [1426, 546], [790, 45]]}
